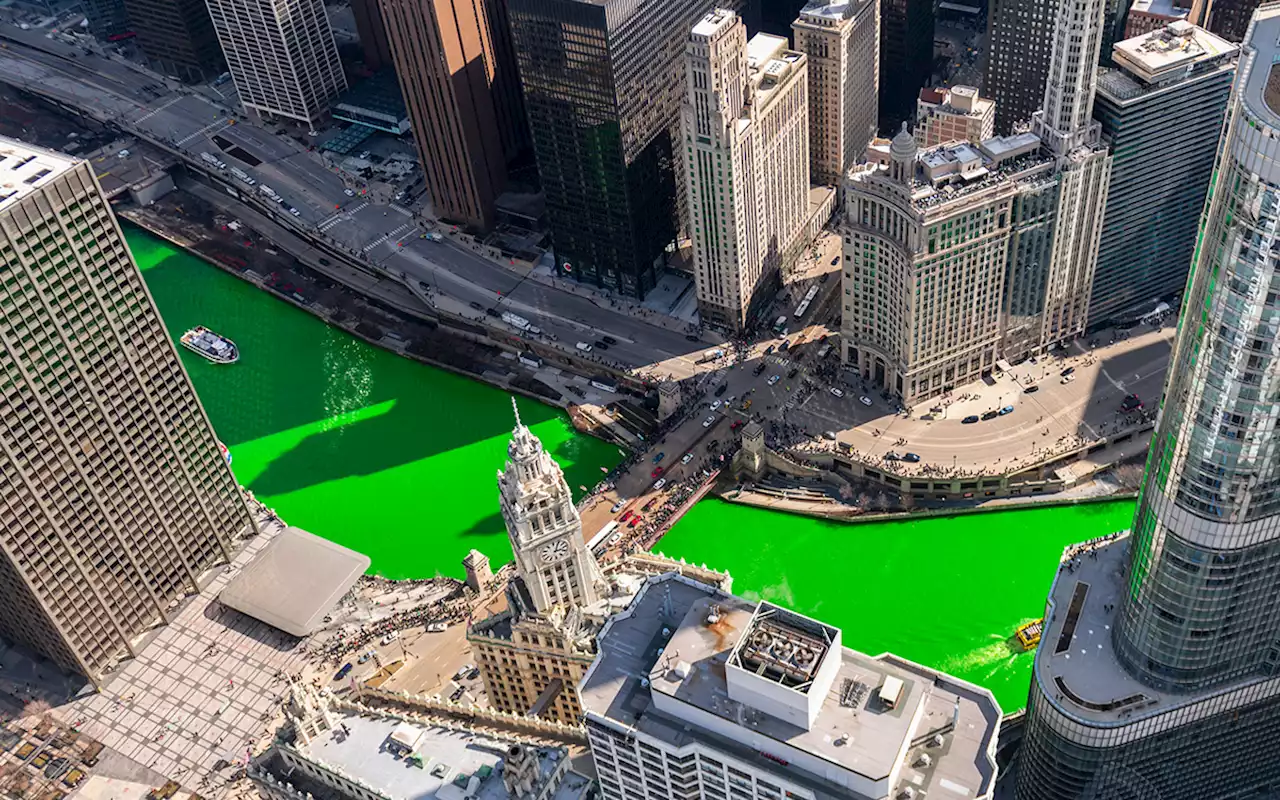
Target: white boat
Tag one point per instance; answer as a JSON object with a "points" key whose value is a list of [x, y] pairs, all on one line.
{"points": [[215, 347]]}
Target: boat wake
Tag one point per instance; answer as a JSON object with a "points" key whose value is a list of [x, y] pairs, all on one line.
{"points": [[988, 660]]}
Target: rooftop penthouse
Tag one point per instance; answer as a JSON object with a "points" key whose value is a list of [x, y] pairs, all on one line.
{"points": [[1170, 54], [778, 692]]}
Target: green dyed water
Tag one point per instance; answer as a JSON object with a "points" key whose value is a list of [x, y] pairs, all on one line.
{"points": [[397, 460], [368, 449], [945, 592]]}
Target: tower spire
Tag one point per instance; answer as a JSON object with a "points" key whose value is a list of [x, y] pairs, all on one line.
{"points": [[516, 409]]}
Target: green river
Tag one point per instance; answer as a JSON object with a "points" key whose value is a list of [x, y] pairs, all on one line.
{"points": [[398, 460]]}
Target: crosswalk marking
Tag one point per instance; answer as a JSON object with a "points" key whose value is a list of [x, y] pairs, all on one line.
{"points": [[405, 228]]}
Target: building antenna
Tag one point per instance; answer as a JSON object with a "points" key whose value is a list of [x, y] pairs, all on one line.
{"points": [[516, 409]]}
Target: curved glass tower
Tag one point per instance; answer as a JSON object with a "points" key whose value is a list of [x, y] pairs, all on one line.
{"points": [[1157, 673]]}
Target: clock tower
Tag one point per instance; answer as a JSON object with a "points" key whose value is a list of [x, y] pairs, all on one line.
{"points": [[544, 527]]}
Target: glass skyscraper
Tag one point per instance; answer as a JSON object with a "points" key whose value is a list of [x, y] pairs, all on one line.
{"points": [[1158, 674]]}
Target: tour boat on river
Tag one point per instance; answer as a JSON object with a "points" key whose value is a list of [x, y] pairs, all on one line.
{"points": [[215, 347], [1028, 635]]}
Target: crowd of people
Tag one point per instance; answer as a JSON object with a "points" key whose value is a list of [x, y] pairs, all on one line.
{"points": [[452, 609]]}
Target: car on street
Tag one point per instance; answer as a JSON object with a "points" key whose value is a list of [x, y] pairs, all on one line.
{"points": [[866, 401], [476, 305], [791, 373], [715, 404], [969, 420], [773, 379], [691, 337], [911, 458], [686, 458], [614, 539], [342, 673], [1006, 410], [622, 501], [709, 421], [1069, 379], [294, 211], [658, 458], [365, 656], [656, 472], [493, 312], [389, 638], [1032, 389], [768, 350], [348, 193], [436, 627], [324, 262], [891, 456], [1067, 371], [746, 404], [457, 694], [1131, 402], [786, 345], [829, 435], [737, 423], [463, 670], [837, 392], [986, 415], [721, 389], [656, 487], [583, 346], [728, 401], [759, 368], [474, 673], [601, 345], [625, 517], [834, 261], [609, 340]]}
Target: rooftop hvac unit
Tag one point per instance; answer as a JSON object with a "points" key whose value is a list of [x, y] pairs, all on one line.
{"points": [[924, 760]]}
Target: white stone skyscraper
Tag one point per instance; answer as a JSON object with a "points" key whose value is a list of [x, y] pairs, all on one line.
{"points": [[114, 498], [281, 55], [1068, 131], [841, 40], [745, 126], [544, 527]]}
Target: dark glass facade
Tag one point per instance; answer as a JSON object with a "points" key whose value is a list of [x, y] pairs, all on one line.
{"points": [[603, 82], [1159, 179], [177, 37], [1230, 18], [106, 18], [906, 58], [1019, 40]]}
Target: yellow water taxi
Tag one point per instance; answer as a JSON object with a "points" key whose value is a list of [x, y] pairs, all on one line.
{"points": [[1028, 634]]}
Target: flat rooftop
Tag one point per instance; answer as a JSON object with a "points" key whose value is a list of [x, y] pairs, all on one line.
{"points": [[446, 754], [295, 581], [853, 729], [25, 168], [1176, 46], [832, 9], [1261, 90]]}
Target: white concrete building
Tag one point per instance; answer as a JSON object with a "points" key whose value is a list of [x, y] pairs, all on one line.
{"points": [[841, 40], [746, 130], [698, 694], [926, 248], [958, 114], [281, 55]]}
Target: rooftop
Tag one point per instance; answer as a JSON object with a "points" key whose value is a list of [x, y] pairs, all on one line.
{"points": [[834, 10], [449, 757], [670, 644], [25, 168], [1158, 55], [295, 581], [1262, 74]]}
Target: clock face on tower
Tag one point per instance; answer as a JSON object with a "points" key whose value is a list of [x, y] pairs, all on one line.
{"points": [[553, 552]]}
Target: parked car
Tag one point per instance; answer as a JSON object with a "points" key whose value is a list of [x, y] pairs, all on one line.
{"points": [[709, 421], [389, 638], [600, 344], [622, 501], [759, 368], [691, 337], [829, 435], [715, 404], [911, 458], [768, 350], [656, 472], [891, 456], [1069, 379], [463, 670], [1131, 402], [969, 420], [1032, 389], [737, 423], [626, 516], [365, 656], [1067, 371], [686, 458], [1006, 410], [837, 392], [721, 389], [786, 344], [476, 305], [493, 312], [659, 457], [583, 346], [656, 487], [342, 672], [986, 415], [436, 627], [608, 340], [866, 401], [457, 694]]}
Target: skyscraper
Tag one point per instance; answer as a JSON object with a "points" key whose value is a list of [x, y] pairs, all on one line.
{"points": [[603, 83], [1069, 133], [106, 18], [1157, 670], [745, 125], [462, 98], [841, 41], [372, 30], [281, 55], [1019, 43], [700, 695], [177, 37], [1161, 110], [1227, 18], [906, 57], [116, 499]]}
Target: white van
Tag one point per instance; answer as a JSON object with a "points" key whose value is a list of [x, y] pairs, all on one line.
{"points": [[584, 347]]}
